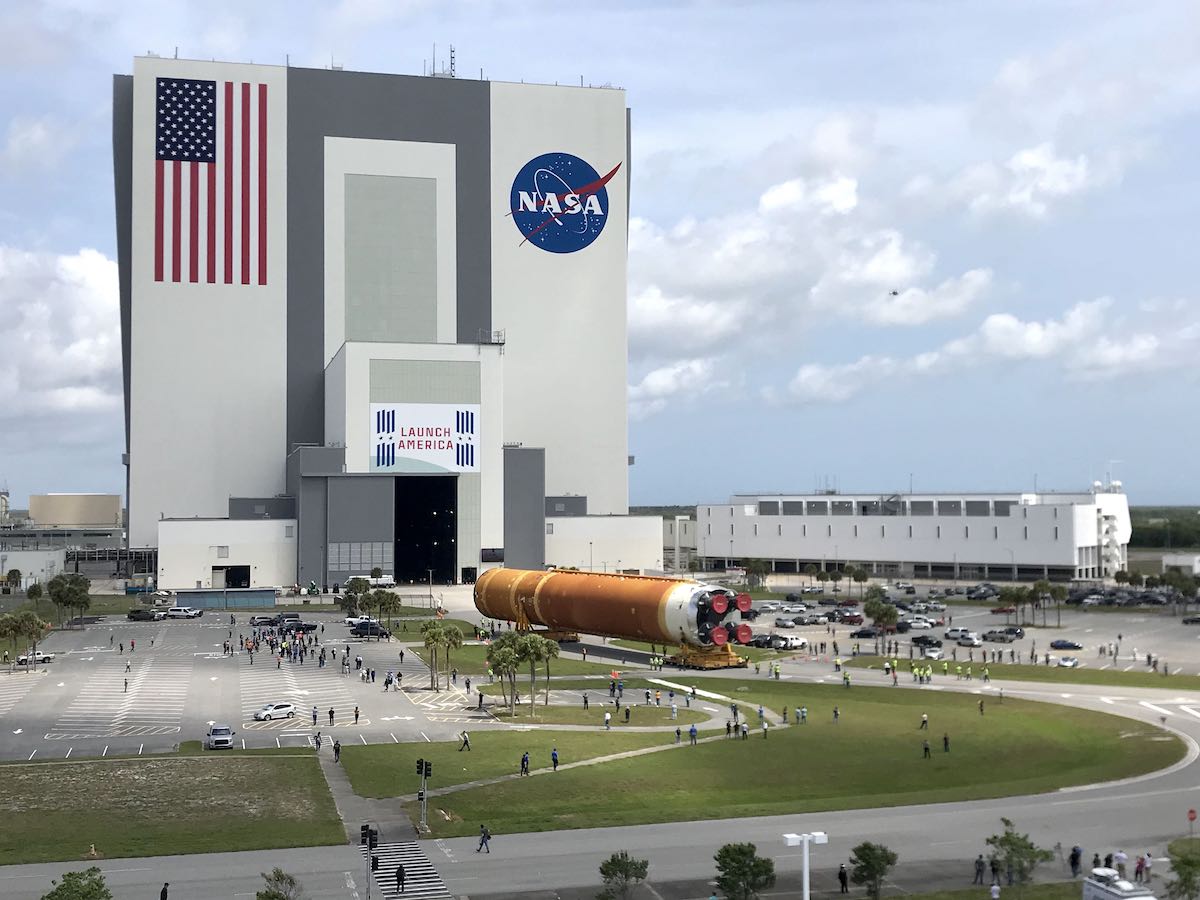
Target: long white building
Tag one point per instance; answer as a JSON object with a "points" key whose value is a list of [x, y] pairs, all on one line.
{"points": [[1002, 536]]}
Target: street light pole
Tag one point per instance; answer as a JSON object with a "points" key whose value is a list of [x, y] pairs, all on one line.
{"points": [[816, 837], [591, 564]]}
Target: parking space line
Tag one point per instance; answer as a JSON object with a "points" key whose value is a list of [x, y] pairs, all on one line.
{"points": [[33, 754], [363, 739], [393, 737], [68, 756], [424, 735], [277, 744], [105, 753], [140, 748], [1157, 709]]}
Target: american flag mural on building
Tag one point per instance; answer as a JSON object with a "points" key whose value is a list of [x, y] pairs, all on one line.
{"points": [[210, 182]]}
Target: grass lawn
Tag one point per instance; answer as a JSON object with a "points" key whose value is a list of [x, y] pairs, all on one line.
{"points": [[151, 806], [388, 770], [577, 715], [871, 757], [597, 687], [1018, 672], [1056, 890], [471, 661]]}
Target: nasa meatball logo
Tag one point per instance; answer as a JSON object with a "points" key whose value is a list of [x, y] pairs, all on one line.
{"points": [[559, 202]]}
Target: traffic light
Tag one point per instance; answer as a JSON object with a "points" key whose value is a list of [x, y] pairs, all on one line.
{"points": [[364, 833], [420, 767], [372, 838], [428, 768], [374, 863]]}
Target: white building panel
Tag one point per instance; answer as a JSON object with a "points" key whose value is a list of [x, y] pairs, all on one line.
{"points": [[405, 159], [1087, 533], [208, 357], [564, 313], [605, 543], [189, 550], [35, 566]]}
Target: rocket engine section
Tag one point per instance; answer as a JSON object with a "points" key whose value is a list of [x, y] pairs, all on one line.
{"points": [[637, 607]]}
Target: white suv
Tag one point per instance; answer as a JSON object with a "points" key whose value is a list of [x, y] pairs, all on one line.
{"points": [[183, 612], [953, 634]]}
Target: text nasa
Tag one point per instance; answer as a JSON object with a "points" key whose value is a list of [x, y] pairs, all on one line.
{"points": [[569, 204], [422, 438]]}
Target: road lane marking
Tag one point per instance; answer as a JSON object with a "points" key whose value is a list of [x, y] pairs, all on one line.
{"points": [[33, 754], [1157, 709], [68, 756]]}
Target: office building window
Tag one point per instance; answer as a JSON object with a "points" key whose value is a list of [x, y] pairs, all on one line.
{"points": [[731, 529], [708, 529], [966, 531], [223, 552], [910, 531], [289, 530], [856, 531], [939, 532], [828, 531], [1056, 530], [756, 531], [995, 532], [780, 527], [803, 531], [883, 531], [549, 528], [793, 507], [1026, 530]]}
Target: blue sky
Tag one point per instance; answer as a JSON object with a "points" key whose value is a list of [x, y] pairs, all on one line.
{"points": [[1021, 174]]}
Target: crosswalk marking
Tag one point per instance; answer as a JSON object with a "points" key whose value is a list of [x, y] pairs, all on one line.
{"points": [[421, 879], [13, 688]]}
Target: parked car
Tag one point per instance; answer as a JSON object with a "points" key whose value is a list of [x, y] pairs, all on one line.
{"points": [[919, 623], [218, 737], [867, 632], [760, 640], [1004, 610], [814, 619], [902, 627], [262, 620], [792, 642], [357, 620], [925, 640], [769, 606], [749, 615], [1191, 620], [369, 629], [970, 640], [140, 615], [275, 711], [998, 637], [852, 619], [184, 612], [953, 634], [38, 658], [812, 589], [1063, 644], [784, 622], [932, 653], [292, 625], [1069, 662], [1016, 631]]}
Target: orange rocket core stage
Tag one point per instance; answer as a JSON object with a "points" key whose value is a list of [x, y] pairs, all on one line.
{"points": [[611, 605]]}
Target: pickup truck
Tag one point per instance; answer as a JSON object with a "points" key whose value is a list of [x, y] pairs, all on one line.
{"points": [[38, 658]]}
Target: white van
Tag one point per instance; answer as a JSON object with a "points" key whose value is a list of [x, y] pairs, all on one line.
{"points": [[183, 612]]}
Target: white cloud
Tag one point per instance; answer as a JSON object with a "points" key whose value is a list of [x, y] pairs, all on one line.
{"points": [[60, 317], [39, 141], [660, 386], [1089, 342]]}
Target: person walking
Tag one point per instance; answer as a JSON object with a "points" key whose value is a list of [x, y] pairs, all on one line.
{"points": [[337, 751], [607, 718], [525, 763], [162, 895], [980, 865], [764, 729], [924, 722], [844, 878], [1149, 863], [837, 714], [554, 758], [995, 872], [1121, 858], [745, 731], [400, 879], [314, 717], [692, 734], [331, 717], [485, 836], [356, 715], [946, 742], [585, 701], [981, 707], [466, 743], [927, 754]]}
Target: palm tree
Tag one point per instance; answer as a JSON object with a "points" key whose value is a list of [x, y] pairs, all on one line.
{"points": [[503, 659], [1121, 576], [28, 626], [530, 649], [388, 603], [860, 577], [452, 639], [8, 630], [811, 570], [34, 593], [434, 635], [13, 578], [822, 577], [835, 576], [1059, 593], [550, 651]]}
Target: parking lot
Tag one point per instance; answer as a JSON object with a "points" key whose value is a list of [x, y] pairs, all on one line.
{"points": [[1137, 630], [120, 688]]}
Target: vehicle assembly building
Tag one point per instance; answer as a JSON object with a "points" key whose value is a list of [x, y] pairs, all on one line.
{"points": [[385, 312]]}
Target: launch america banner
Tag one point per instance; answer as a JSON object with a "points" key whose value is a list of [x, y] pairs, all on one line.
{"points": [[424, 437]]}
